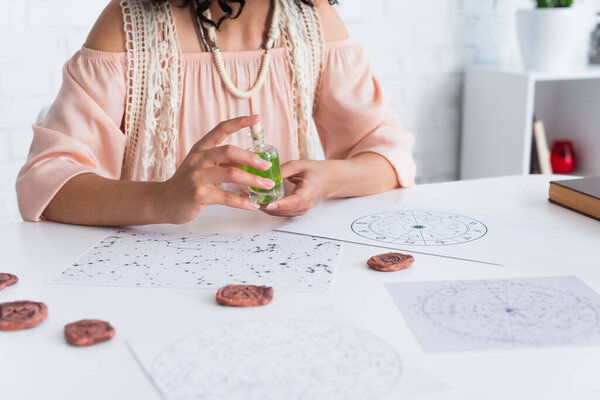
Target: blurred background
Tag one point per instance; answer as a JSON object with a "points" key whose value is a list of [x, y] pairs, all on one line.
{"points": [[420, 50]]}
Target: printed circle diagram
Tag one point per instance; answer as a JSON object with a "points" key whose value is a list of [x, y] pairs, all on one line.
{"points": [[510, 312], [419, 228], [277, 359]]}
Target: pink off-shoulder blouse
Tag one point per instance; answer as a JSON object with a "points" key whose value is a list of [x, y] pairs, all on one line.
{"points": [[82, 130]]}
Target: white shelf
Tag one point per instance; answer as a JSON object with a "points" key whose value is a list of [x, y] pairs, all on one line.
{"points": [[499, 104], [588, 72]]}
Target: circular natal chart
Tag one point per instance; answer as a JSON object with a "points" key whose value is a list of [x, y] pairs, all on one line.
{"points": [[419, 228]]}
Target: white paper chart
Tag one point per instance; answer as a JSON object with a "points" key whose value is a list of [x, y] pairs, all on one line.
{"points": [[283, 261], [455, 234], [295, 357], [499, 314], [419, 228]]}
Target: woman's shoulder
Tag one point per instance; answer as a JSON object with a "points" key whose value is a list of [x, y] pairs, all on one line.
{"points": [[108, 33], [333, 27]]}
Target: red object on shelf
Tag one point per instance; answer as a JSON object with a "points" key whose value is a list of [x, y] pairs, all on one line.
{"points": [[562, 157]]}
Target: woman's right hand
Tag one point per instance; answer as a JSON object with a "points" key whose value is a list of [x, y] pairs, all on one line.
{"points": [[195, 183]]}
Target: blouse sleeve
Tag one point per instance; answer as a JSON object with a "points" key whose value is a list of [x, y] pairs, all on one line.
{"points": [[353, 113], [81, 132]]}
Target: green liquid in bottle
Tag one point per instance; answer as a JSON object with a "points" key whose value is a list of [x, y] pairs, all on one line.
{"points": [[264, 196]]}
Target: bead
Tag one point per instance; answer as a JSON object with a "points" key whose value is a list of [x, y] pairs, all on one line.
{"points": [[265, 63]]}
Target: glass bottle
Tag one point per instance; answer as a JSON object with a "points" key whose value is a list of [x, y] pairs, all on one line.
{"points": [[594, 53], [268, 153]]}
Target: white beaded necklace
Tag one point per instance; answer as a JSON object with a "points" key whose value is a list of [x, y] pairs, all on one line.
{"points": [[266, 59]]}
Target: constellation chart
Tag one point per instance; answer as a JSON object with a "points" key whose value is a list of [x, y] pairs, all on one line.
{"points": [[274, 359], [419, 228], [499, 314], [477, 236], [128, 258]]}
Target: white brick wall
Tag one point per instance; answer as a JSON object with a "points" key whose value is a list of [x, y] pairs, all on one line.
{"points": [[419, 49], [36, 37]]}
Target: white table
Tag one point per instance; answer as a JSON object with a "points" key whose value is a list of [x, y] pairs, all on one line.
{"points": [[38, 364]]}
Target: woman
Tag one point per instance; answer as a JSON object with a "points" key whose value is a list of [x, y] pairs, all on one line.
{"points": [[125, 141]]}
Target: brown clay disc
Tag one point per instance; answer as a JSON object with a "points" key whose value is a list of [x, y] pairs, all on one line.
{"points": [[7, 280], [389, 262], [88, 332], [244, 295], [19, 315]]}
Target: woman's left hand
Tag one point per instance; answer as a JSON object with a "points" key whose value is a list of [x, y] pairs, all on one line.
{"points": [[364, 174], [312, 180]]}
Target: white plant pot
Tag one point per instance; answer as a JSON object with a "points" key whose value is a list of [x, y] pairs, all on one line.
{"points": [[547, 37]]}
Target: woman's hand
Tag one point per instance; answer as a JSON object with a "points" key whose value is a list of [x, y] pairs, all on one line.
{"points": [[364, 174], [312, 180], [194, 185]]}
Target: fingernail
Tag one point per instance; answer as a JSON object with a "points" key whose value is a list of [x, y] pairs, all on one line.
{"points": [[253, 206], [266, 164], [268, 183], [272, 206]]}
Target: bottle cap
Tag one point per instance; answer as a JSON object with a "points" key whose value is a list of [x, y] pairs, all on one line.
{"points": [[256, 130]]}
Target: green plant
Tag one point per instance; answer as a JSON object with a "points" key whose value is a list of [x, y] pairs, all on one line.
{"points": [[548, 3], [553, 3]]}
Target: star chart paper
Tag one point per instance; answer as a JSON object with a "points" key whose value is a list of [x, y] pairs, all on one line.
{"points": [[295, 357], [456, 234], [499, 314], [285, 262]]}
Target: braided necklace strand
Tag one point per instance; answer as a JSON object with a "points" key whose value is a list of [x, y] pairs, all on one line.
{"points": [[211, 41]]}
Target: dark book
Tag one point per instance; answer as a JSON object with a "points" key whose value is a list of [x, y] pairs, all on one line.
{"points": [[580, 195], [534, 166]]}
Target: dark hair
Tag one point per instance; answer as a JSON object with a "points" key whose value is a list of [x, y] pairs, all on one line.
{"points": [[203, 5]]}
